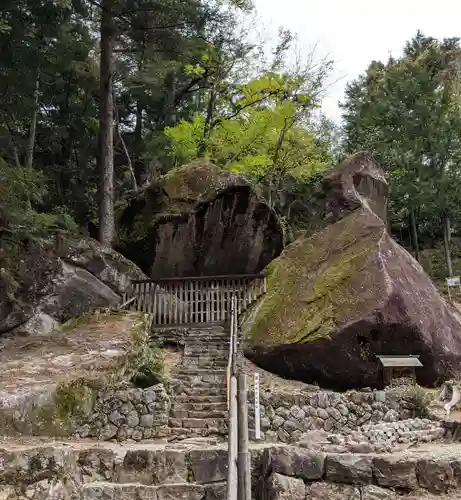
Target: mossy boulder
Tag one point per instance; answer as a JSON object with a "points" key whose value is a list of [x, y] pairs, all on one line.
{"points": [[47, 282], [48, 383], [342, 295], [199, 220]]}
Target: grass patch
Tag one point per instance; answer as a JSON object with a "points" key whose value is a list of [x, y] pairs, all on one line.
{"points": [[420, 400]]}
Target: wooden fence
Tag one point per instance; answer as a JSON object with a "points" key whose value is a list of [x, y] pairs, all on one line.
{"points": [[201, 299]]}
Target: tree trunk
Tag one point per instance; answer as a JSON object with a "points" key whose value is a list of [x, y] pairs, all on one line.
{"points": [[446, 244], [203, 144], [14, 149], [128, 159], [106, 127], [414, 235], [170, 116], [139, 162], [29, 160]]}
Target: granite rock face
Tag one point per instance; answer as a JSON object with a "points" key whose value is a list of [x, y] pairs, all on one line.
{"points": [[346, 292], [199, 220], [48, 282]]}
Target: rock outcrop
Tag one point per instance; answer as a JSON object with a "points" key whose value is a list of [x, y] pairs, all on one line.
{"points": [[341, 295], [44, 283], [199, 220], [49, 382]]}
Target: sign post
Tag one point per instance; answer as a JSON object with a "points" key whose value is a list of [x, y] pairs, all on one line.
{"points": [[257, 409], [453, 282]]}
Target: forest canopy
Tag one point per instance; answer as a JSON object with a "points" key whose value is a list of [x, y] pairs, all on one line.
{"points": [[100, 97]]}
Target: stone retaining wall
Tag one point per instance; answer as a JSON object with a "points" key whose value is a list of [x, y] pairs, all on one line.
{"points": [[285, 417], [385, 436], [129, 413], [321, 476], [279, 472]]}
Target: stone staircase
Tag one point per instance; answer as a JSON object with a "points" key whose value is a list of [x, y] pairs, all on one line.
{"points": [[199, 386]]}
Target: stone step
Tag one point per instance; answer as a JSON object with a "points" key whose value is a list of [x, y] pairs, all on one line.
{"points": [[198, 414], [197, 343], [204, 357], [102, 489], [187, 406], [210, 327], [208, 334], [203, 387], [216, 349], [181, 433], [223, 356], [217, 424], [220, 356], [188, 380], [205, 363], [188, 387], [208, 339], [208, 378], [207, 345], [202, 394], [205, 397], [195, 360], [199, 371]]}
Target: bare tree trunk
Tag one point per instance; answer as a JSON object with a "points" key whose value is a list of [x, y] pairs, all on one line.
{"points": [[106, 127], [128, 159], [446, 244], [414, 235], [122, 142], [29, 159]]}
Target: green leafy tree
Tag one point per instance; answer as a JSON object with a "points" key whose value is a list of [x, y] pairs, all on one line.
{"points": [[407, 113], [262, 128]]}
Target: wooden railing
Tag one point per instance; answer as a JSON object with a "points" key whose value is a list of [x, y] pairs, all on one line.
{"points": [[232, 422], [204, 299]]}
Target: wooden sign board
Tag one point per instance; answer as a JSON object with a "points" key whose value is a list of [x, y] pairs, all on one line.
{"points": [[453, 282]]}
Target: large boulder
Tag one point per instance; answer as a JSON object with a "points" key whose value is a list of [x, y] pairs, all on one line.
{"points": [[346, 292], [47, 282], [199, 220]]}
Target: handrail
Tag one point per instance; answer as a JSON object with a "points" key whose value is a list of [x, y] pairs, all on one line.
{"points": [[126, 303], [231, 349], [232, 442]]}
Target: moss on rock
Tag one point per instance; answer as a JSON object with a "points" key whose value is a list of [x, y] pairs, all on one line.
{"points": [[193, 183], [315, 284]]}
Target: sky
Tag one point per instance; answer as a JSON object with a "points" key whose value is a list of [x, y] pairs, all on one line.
{"points": [[355, 32]]}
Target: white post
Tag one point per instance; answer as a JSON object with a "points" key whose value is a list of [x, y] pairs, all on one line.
{"points": [[257, 408]]}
